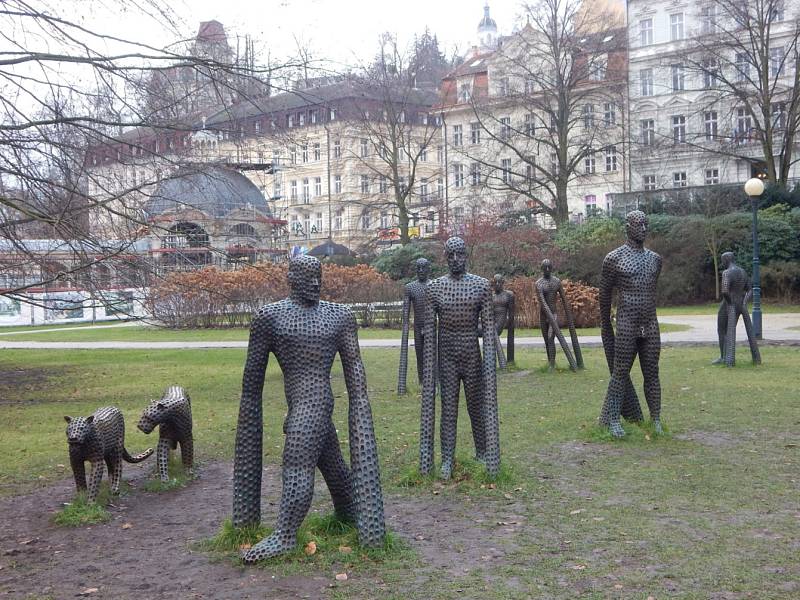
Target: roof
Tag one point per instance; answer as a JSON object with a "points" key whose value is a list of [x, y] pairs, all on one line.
{"points": [[330, 248], [487, 22], [211, 189]]}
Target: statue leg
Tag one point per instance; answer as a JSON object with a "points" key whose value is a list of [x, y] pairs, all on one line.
{"points": [[337, 476], [419, 346], [722, 330], [162, 458], [114, 465], [187, 454], [624, 353], [300, 455], [751, 338], [549, 343], [501, 357], [450, 385], [95, 477], [649, 355], [247, 463], [730, 337], [78, 471], [476, 402]]}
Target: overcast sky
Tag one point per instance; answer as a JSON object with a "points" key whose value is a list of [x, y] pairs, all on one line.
{"points": [[345, 30]]}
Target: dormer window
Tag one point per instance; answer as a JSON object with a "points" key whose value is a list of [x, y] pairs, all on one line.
{"points": [[464, 92]]}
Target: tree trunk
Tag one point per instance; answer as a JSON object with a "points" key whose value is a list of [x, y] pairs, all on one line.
{"points": [[402, 217]]}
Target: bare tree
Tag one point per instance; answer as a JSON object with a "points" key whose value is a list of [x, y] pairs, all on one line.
{"points": [[744, 63], [553, 105]]}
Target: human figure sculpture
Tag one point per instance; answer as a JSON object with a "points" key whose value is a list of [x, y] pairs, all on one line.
{"points": [[503, 303], [548, 291], [633, 271], [99, 438], [305, 334], [172, 414], [735, 290], [459, 301], [414, 297]]}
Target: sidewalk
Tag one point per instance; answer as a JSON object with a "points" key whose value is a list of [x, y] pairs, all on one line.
{"points": [[776, 330]]}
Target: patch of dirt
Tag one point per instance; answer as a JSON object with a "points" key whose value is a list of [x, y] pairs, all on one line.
{"points": [[712, 439], [154, 559], [18, 383]]}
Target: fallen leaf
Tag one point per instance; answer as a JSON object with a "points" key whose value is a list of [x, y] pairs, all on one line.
{"points": [[88, 591], [651, 598], [311, 548], [598, 518], [647, 436], [25, 542], [126, 525], [507, 496], [345, 549], [492, 486], [435, 492], [617, 586], [341, 577], [245, 546], [579, 567], [576, 512]]}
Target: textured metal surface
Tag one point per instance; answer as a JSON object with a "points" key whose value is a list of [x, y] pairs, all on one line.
{"points": [[735, 290], [99, 438], [172, 414], [305, 334], [503, 303], [548, 292], [414, 297], [455, 306], [632, 270]]}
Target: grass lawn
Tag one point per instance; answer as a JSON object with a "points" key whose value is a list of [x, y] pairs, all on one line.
{"points": [[158, 334], [710, 510], [712, 307]]}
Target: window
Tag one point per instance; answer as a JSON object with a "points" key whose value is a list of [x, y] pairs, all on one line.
{"points": [[332, 114], [646, 32], [423, 153], [306, 191], [553, 122], [318, 186], [505, 128], [364, 147], [679, 129], [776, 12], [458, 135], [649, 183], [678, 77], [504, 88], [439, 154], [711, 124], [365, 221], [475, 133], [293, 154], [712, 176], [290, 121], [337, 220], [710, 73], [743, 124], [337, 184], [742, 67], [529, 171], [423, 189], [463, 93], [276, 158], [304, 149], [590, 202], [384, 220], [554, 164], [776, 56], [676, 27], [530, 125], [293, 190], [588, 116], [317, 227], [382, 184], [708, 19], [440, 188], [646, 82], [530, 85], [779, 115], [317, 152], [256, 128], [611, 159], [647, 128], [458, 214], [365, 184], [337, 148], [589, 163], [301, 119], [679, 179], [312, 116], [598, 68], [474, 174], [276, 189], [505, 170], [458, 175], [609, 114]]}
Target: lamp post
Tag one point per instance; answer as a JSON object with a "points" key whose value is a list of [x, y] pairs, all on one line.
{"points": [[754, 188]]}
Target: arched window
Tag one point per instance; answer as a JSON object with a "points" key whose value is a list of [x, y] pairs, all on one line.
{"points": [[244, 229]]}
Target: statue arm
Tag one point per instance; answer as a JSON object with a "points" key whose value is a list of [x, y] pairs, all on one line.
{"points": [[363, 446], [403, 368], [249, 429], [512, 308], [607, 282], [487, 320], [725, 289], [567, 307]]}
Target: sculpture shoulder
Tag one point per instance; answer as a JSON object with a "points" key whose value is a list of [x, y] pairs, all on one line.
{"points": [[337, 311], [653, 255], [268, 312], [615, 254]]}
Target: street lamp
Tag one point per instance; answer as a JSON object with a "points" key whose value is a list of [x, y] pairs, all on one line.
{"points": [[754, 188]]}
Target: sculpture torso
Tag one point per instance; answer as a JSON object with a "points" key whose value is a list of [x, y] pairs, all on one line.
{"points": [[415, 291], [174, 419], [458, 301], [734, 284], [635, 275], [548, 287], [501, 302]]}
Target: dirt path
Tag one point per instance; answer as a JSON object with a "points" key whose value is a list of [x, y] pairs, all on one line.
{"points": [[153, 559]]}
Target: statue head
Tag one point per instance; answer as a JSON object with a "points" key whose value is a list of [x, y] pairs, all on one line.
{"points": [[547, 267], [636, 226], [498, 281], [726, 259], [305, 279], [423, 266], [455, 249]]}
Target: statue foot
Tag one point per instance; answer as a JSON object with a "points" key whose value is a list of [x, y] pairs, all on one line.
{"points": [[447, 470], [657, 426], [718, 361], [273, 545], [616, 429]]}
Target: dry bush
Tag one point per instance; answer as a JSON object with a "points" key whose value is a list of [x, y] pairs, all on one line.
{"points": [[583, 299]]}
